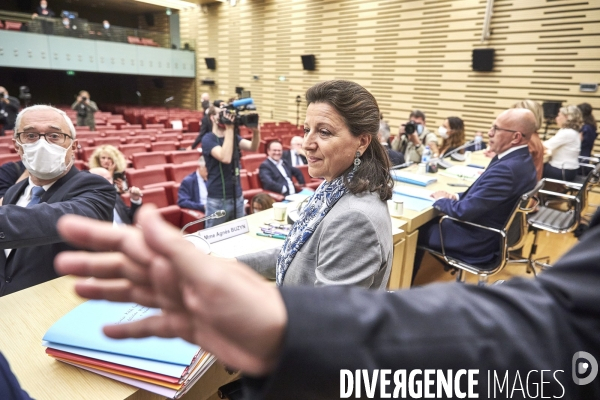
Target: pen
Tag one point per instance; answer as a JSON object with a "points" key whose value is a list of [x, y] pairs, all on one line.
{"points": [[275, 236], [458, 184]]}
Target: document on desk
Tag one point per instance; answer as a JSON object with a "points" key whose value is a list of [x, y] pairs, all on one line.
{"points": [[244, 244], [463, 172], [164, 366], [414, 198], [413, 178]]}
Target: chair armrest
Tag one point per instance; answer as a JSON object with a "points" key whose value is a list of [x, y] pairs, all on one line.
{"points": [[487, 228], [570, 185], [556, 194]]}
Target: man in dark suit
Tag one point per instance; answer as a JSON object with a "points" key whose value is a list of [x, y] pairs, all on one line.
{"points": [[32, 207], [121, 213], [192, 192], [276, 174], [490, 199], [44, 12], [298, 339], [479, 143], [295, 156]]}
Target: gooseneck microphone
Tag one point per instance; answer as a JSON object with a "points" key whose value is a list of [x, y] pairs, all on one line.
{"points": [[400, 166], [456, 150], [215, 215]]}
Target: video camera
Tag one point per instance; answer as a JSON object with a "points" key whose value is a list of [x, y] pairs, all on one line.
{"points": [[249, 120]]}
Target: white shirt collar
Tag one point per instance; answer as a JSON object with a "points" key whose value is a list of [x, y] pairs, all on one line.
{"points": [[511, 150], [280, 162]]}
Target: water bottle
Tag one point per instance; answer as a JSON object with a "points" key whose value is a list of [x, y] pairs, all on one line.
{"points": [[426, 157]]}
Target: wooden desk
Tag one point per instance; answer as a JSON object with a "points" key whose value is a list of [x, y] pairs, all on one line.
{"points": [[25, 318], [415, 219]]}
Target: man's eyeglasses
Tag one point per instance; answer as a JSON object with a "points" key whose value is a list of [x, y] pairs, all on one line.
{"points": [[495, 128], [51, 137]]}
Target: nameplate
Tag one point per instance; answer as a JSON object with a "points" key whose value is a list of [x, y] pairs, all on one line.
{"points": [[225, 231]]}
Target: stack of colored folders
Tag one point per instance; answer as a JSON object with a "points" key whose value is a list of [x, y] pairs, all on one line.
{"points": [[167, 367]]}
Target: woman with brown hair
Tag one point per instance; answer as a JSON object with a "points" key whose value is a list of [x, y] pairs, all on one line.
{"points": [[261, 202], [343, 235], [452, 132]]}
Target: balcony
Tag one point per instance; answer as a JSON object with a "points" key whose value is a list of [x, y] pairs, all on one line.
{"points": [[44, 43]]}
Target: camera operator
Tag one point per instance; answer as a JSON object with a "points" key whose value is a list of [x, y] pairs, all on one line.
{"points": [[9, 108], [219, 155], [85, 108], [413, 137]]}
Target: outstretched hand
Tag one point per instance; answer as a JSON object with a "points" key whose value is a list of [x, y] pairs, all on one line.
{"points": [[223, 306]]}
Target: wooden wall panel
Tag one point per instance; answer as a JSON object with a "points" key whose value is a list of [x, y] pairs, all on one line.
{"points": [[409, 54]]}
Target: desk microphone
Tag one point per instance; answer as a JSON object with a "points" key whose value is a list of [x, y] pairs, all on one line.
{"points": [[168, 99], [400, 166], [215, 215], [458, 157]]}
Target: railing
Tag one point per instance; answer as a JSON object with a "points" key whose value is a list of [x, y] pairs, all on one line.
{"points": [[81, 28]]}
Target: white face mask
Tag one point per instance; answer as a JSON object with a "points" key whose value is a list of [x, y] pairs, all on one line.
{"points": [[419, 128], [43, 6], [65, 22], [44, 160], [478, 139], [443, 132], [106, 26]]}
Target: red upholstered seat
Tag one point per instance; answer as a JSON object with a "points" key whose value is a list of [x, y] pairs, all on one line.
{"points": [[129, 149], [4, 158], [163, 146], [113, 141], [179, 157], [176, 172], [182, 216], [251, 162], [193, 125], [142, 160], [145, 176], [13, 26]]}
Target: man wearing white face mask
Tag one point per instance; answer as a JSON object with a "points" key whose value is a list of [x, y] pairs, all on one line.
{"points": [[413, 144], [45, 139]]}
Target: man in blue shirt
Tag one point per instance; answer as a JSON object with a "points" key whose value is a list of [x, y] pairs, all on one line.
{"points": [[224, 192], [192, 192]]}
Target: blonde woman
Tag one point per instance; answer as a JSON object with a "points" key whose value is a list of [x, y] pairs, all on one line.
{"points": [[536, 148], [564, 147], [110, 158]]}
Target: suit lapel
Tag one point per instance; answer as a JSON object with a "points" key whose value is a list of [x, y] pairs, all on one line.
{"points": [[494, 161], [13, 196], [58, 184]]}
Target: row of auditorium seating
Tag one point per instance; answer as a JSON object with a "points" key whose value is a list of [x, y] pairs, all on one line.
{"points": [[142, 41], [11, 25]]}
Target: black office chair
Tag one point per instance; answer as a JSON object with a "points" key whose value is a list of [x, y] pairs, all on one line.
{"points": [[560, 211], [511, 237]]}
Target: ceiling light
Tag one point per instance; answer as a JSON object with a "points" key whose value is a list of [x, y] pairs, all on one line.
{"points": [[176, 4]]}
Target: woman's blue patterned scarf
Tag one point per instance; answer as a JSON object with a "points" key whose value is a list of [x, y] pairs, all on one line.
{"points": [[319, 204]]}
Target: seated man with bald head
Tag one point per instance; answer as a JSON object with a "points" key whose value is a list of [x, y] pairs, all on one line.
{"points": [[490, 199]]}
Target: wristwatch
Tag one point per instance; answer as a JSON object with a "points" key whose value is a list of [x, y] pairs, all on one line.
{"points": [[417, 146]]}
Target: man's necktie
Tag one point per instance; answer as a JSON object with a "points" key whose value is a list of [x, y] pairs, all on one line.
{"points": [[298, 159], [36, 195]]}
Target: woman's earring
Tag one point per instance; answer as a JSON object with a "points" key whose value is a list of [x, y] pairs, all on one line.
{"points": [[356, 161]]}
